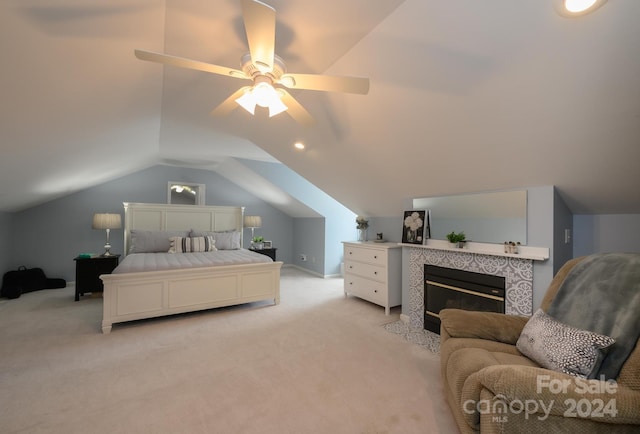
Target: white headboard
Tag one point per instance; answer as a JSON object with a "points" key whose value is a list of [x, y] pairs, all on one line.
{"points": [[166, 217]]}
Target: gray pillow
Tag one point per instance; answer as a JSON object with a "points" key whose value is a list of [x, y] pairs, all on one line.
{"points": [[227, 240], [153, 241], [563, 348]]}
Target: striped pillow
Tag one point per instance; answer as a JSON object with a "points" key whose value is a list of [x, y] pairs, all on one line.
{"points": [[192, 244]]}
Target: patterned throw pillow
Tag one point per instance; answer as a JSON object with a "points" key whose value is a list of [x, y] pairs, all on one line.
{"points": [[227, 240], [192, 244], [562, 348]]}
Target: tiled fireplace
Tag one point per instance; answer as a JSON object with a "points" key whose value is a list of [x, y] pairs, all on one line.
{"points": [[517, 271]]}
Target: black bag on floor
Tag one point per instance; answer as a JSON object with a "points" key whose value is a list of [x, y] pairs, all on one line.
{"points": [[25, 280]]}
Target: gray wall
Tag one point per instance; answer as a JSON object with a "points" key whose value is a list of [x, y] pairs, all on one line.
{"points": [[309, 239], [339, 221], [606, 233], [5, 241], [51, 235], [562, 221], [391, 228]]}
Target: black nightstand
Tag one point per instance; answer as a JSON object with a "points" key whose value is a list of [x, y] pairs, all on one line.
{"points": [[88, 271], [268, 252]]}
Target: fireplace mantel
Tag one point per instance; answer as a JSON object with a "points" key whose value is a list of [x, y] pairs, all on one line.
{"points": [[524, 252]]}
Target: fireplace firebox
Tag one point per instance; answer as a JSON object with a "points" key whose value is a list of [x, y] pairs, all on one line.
{"points": [[450, 288]]}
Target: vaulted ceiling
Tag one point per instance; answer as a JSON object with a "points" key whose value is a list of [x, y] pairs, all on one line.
{"points": [[465, 96]]}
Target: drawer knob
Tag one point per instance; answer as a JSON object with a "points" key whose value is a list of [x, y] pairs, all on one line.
{"points": [[375, 256], [375, 272], [375, 290], [350, 266]]}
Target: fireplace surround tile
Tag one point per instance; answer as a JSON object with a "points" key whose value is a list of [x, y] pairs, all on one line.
{"points": [[518, 274]]}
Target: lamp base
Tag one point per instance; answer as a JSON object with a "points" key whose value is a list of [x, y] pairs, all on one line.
{"points": [[107, 248]]}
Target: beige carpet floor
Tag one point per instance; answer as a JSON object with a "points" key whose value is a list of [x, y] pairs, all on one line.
{"points": [[316, 363]]}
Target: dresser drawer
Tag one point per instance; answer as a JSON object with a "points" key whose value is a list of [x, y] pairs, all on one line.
{"points": [[374, 292], [361, 254], [369, 271]]}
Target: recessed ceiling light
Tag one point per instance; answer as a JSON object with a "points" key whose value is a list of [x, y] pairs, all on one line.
{"points": [[576, 8], [298, 145]]}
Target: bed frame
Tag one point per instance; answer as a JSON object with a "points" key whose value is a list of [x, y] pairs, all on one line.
{"points": [[132, 296]]}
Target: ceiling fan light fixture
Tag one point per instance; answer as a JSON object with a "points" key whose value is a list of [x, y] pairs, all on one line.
{"points": [[577, 8], [264, 95], [247, 101], [578, 5], [276, 107]]}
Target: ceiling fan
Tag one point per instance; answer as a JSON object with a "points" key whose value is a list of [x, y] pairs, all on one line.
{"points": [[265, 69]]}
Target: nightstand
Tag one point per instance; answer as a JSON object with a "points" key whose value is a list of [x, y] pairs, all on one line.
{"points": [[267, 252], [88, 271]]}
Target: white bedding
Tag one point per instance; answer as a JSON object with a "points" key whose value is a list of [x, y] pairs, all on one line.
{"points": [[138, 262]]}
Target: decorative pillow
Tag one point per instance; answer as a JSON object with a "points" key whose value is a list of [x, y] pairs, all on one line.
{"points": [[152, 241], [192, 244], [562, 348], [228, 240]]}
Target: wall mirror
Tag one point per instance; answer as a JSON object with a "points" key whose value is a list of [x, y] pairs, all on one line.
{"points": [[185, 193], [493, 217]]}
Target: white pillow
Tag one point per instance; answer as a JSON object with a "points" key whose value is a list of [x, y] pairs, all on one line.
{"points": [[152, 241], [229, 240]]}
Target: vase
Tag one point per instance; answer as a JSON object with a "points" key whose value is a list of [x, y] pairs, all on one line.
{"points": [[362, 235]]}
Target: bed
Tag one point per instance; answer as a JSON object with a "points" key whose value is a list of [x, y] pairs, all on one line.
{"points": [[134, 291]]}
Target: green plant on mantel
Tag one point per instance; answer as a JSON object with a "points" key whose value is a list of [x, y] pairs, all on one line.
{"points": [[456, 237]]}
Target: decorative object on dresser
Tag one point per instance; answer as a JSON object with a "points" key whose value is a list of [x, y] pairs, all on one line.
{"points": [[252, 222], [107, 222], [413, 227], [372, 271], [362, 224], [88, 272]]}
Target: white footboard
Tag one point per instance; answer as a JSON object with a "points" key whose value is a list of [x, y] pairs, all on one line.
{"points": [[132, 296]]}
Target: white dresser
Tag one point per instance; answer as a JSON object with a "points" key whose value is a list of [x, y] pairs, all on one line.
{"points": [[373, 272]]}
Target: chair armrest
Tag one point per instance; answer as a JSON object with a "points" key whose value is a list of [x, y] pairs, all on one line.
{"points": [[459, 323], [553, 393]]}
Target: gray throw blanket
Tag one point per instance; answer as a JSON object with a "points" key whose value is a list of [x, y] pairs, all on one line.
{"points": [[602, 294]]}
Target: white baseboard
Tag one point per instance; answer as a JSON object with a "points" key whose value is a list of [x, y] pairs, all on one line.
{"points": [[305, 270]]}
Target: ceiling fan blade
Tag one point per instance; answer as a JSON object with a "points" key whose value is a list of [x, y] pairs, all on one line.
{"points": [[260, 26], [326, 83], [295, 109], [229, 104], [181, 62]]}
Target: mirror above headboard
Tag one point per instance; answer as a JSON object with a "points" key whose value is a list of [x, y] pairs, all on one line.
{"points": [[492, 217]]}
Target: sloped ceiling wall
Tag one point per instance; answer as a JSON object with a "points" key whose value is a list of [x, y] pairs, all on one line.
{"points": [[465, 96]]}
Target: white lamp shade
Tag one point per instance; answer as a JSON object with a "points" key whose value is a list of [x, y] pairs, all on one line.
{"points": [[106, 221], [264, 95], [252, 221]]}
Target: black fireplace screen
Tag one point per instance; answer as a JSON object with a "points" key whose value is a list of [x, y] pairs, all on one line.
{"points": [[459, 289]]}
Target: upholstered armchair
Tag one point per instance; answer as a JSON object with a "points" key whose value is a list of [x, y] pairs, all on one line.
{"points": [[492, 387]]}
